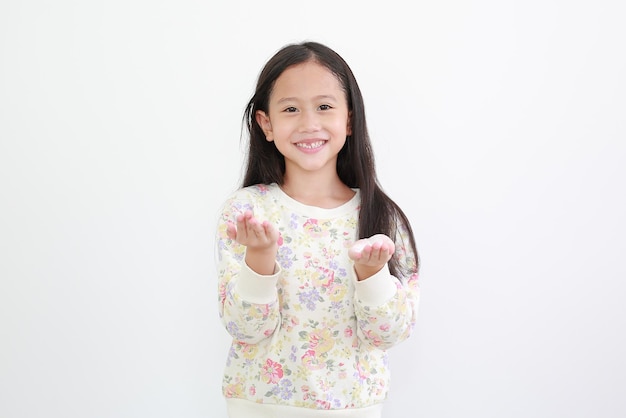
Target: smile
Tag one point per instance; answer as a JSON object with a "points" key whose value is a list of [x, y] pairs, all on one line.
{"points": [[310, 145]]}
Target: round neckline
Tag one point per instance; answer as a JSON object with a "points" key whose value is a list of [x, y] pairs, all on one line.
{"points": [[316, 211]]}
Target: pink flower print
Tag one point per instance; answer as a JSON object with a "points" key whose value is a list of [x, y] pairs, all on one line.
{"points": [[323, 277], [337, 292], [249, 351], [413, 281], [376, 341], [380, 386], [322, 404], [264, 310], [314, 339], [289, 322], [362, 372], [272, 371], [311, 361], [234, 390], [347, 332], [384, 327], [280, 239], [321, 340], [252, 390], [325, 386], [222, 292], [313, 229]]}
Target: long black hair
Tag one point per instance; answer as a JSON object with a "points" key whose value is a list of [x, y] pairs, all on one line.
{"points": [[379, 214]]}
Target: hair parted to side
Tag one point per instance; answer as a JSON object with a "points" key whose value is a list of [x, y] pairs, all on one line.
{"points": [[355, 162]]}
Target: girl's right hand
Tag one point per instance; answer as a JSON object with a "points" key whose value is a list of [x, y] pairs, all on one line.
{"points": [[252, 233], [260, 239]]}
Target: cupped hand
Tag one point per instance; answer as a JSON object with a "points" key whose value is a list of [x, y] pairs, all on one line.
{"points": [[374, 251], [253, 233]]}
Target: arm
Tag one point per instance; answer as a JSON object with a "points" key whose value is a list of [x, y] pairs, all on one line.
{"points": [[248, 273], [386, 306]]}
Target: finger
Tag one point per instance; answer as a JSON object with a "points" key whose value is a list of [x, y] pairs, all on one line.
{"points": [[231, 230], [388, 253], [256, 228], [355, 253], [384, 255], [249, 216], [240, 223], [387, 246], [377, 252], [241, 220], [248, 223], [269, 231], [366, 253]]}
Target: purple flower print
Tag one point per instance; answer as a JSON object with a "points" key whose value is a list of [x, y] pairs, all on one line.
{"points": [[284, 257], [233, 329], [284, 389], [292, 356], [339, 272], [293, 222], [242, 207], [309, 298]]}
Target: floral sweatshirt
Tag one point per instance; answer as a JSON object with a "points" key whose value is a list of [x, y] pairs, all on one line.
{"points": [[310, 336]]}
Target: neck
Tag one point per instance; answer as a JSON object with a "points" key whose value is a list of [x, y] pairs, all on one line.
{"points": [[325, 191]]}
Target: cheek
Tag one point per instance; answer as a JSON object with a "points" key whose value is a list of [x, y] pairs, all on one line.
{"points": [[282, 130], [342, 126]]}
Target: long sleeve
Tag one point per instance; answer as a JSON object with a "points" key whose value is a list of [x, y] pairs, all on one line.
{"points": [[386, 306], [248, 301]]}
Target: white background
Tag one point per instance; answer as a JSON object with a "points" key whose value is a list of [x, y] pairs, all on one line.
{"points": [[499, 126]]}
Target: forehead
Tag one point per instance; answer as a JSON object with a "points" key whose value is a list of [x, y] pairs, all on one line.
{"points": [[305, 80]]}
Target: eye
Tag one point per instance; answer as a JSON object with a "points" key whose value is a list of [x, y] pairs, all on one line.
{"points": [[290, 109], [325, 107]]}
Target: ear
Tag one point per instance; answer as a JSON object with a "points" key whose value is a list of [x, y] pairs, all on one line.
{"points": [[264, 122], [349, 127]]}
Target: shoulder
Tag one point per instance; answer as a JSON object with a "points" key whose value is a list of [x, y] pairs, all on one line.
{"points": [[256, 192], [251, 197]]}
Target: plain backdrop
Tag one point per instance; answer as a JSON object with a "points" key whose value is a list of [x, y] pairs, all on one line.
{"points": [[498, 125]]}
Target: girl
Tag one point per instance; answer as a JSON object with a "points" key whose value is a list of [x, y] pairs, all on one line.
{"points": [[317, 265]]}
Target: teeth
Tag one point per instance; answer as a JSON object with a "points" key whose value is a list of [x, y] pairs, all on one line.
{"points": [[311, 145]]}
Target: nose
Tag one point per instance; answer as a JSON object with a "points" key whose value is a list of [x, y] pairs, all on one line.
{"points": [[309, 122]]}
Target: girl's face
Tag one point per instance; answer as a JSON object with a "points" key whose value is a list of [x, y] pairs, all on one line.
{"points": [[308, 119]]}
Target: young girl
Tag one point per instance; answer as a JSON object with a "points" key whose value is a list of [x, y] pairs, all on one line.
{"points": [[317, 265]]}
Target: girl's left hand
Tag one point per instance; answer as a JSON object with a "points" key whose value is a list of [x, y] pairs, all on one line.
{"points": [[371, 254]]}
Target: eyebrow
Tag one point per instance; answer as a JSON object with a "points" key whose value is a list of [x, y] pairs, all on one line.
{"points": [[295, 99]]}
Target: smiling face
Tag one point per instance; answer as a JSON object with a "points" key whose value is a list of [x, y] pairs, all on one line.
{"points": [[308, 119]]}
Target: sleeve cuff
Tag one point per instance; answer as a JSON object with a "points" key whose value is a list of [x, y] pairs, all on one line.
{"points": [[377, 289], [256, 288]]}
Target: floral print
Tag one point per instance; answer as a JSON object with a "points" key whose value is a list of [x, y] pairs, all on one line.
{"points": [[313, 342], [272, 371]]}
